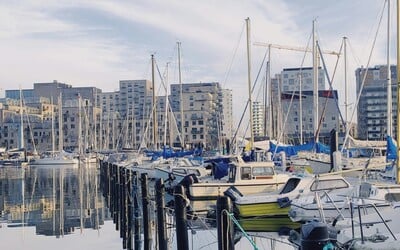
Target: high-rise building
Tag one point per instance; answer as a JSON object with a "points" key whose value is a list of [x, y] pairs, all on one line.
{"points": [[202, 113], [293, 78], [44, 116], [293, 113], [227, 115], [372, 107], [288, 108], [91, 119]]}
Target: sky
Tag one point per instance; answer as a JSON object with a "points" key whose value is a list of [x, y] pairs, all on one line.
{"points": [[98, 43]]}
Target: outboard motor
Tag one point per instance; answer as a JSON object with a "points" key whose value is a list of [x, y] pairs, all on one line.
{"points": [[317, 235]]}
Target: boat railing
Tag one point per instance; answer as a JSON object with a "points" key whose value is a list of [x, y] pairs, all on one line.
{"points": [[359, 207]]}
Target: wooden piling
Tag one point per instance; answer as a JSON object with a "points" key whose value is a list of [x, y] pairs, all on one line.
{"points": [[180, 218], [160, 201], [224, 224], [146, 218], [130, 210], [136, 211]]}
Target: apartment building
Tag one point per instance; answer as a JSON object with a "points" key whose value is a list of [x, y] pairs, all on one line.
{"points": [[372, 108]]}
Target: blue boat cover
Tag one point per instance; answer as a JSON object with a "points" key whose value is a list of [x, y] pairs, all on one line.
{"points": [[391, 152], [293, 150]]}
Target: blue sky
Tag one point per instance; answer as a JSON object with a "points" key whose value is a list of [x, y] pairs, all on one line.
{"points": [[98, 43]]}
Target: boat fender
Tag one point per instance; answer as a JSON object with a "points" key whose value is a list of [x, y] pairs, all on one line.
{"points": [[284, 202], [292, 213]]}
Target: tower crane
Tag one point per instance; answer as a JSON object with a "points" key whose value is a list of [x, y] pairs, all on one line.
{"points": [[293, 48]]}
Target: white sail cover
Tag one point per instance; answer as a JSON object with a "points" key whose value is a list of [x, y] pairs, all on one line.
{"points": [[354, 143]]}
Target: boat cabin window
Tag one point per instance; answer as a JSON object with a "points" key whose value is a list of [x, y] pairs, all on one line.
{"points": [[245, 173], [390, 197], [263, 171], [194, 171], [328, 184]]}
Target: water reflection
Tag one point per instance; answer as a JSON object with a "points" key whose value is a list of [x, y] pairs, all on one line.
{"points": [[55, 200]]}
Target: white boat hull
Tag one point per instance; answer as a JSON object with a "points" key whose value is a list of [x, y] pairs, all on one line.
{"points": [[50, 161]]}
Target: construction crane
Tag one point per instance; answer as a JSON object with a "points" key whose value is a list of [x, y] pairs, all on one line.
{"points": [[293, 48]]}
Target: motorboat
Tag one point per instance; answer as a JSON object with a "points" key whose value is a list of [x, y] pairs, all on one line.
{"points": [[337, 204], [246, 177], [268, 211]]}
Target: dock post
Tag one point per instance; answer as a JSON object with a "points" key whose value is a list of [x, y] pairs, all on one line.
{"points": [[146, 218], [136, 209], [108, 185], [116, 197], [113, 194], [180, 218], [224, 224], [160, 201], [123, 208], [129, 213]]}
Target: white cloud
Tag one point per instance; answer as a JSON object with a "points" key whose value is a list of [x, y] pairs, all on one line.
{"points": [[39, 44]]}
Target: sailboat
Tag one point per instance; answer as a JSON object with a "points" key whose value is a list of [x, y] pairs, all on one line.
{"points": [[247, 177], [55, 157]]}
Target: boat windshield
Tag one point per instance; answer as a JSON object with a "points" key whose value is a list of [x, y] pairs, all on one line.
{"points": [[328, 184], [290, 185]]}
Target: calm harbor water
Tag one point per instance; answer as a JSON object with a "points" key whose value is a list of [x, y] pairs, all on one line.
{"points": [[54, 208], [63, 208]]}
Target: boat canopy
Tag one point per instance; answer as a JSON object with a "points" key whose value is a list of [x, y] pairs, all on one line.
{"points": [[354, 143], [293, 150]]}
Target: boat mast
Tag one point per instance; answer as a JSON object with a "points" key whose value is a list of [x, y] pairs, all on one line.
{"points": [[21, 113], [94, 115], [269, 94], [345, 81], [181, 94], [315, 81], [79, 127], [53, 136], [166, 80], [301, 105], [60, 124], [154, 104], [389, 80], [249, 82], [398, 92]]}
